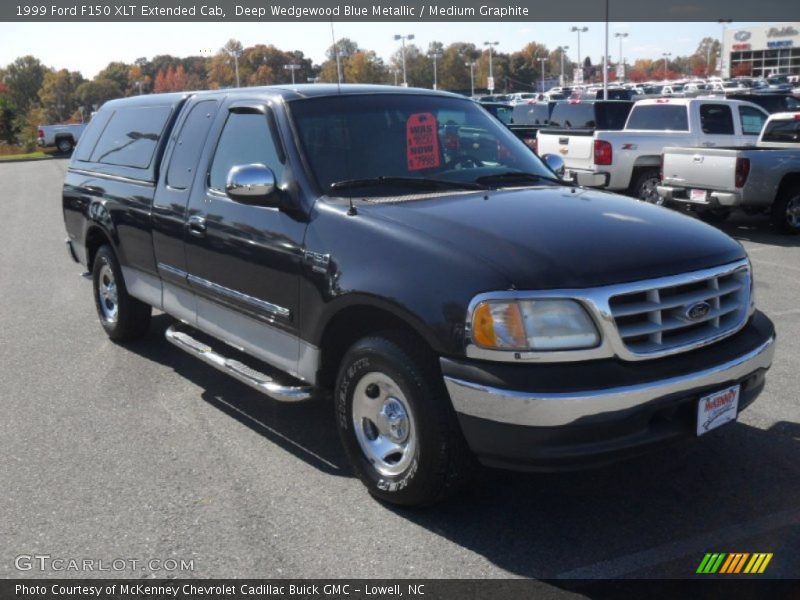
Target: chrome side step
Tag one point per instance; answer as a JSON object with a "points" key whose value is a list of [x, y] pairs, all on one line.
{"points": [[236, 369]]}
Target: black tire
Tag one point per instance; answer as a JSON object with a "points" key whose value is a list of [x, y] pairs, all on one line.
{"points": [[714, 216], [123, 317], [436, 461], [643, 187], [65, 145], [786, 211]]}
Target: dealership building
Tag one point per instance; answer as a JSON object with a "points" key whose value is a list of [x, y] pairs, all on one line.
{"points": [[761, 51]]}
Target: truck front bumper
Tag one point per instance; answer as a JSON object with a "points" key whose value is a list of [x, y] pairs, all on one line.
{"points": [[571, 415]]}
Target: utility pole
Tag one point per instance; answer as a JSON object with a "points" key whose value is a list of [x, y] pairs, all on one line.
{"points": [[292, 68], [409, 37], [621, 35], [434, 55], [722, 22], [491, 73], [666, 55], [563, 49], [542, 60], [579, 31], [471, 66], [235, 54]]}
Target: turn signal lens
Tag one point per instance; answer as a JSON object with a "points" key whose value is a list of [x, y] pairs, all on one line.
{"points": [[498, 325], [483, 326]]}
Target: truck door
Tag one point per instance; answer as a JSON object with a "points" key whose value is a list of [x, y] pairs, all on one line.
{"points": [[244, 261], [716, 125], [171, 203]]}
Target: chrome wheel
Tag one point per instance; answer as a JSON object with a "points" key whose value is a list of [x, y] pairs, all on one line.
{"points": [[793, 213], [384, 424], [648, 192], [107, 293]]}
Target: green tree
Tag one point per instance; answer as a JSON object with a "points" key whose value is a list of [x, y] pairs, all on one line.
{"points": [[57, 94], [118, 73], [92, 94], [24, 78]]}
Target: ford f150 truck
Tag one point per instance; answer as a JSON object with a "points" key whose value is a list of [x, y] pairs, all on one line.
{"points": [[629, 160], [64, 137], [344, 242], [713, 181]]}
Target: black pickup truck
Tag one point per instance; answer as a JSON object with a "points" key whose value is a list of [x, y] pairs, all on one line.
{"points": [[347, 244]]}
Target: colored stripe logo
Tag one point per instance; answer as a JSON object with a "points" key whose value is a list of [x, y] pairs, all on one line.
{"points": [[734, 563]]}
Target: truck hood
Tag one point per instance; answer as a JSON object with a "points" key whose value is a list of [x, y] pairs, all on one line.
{"points": [[560, 237]]}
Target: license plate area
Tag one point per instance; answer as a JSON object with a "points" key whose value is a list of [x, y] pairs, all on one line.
{"points": [[698, 196], [714, 410]]}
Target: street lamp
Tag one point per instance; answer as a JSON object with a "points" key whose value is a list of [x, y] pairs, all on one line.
{"points": [[722, 22], [434, 55], [235, 54], [666, 55], [291, 68], [471, 66], [491, 74], [561, 80], [579, 31], [621, 35], [409, 37], [542, 60]]}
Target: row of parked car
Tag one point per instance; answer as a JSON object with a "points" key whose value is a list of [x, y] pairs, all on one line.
{"points": [[715, 151]]}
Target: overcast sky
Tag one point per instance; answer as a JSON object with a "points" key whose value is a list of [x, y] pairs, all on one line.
{"points": [[88, 47]]}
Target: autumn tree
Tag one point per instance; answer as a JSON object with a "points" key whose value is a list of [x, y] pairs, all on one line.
{"points": [[57, 95]]}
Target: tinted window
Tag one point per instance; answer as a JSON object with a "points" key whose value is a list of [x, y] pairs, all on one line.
{"points": [[716, 119], [131, 137], [752, 120], [573, 115], [91, 134], [189, 144], [658, 117], [246, 139], [783, 131], [532, 114], [611, 116]]}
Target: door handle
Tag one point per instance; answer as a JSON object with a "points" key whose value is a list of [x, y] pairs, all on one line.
{"points": [[196, 226]]}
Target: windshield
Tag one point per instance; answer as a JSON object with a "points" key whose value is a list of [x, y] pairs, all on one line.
{"points": [[387, 137]]}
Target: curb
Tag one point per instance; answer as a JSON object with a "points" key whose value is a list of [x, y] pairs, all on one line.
{"points": [[33, 159]]}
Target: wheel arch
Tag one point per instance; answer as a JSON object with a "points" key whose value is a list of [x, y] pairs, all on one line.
{"points": [[95, 238]]}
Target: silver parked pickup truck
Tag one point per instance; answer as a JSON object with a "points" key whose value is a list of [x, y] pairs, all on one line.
{"points": [[711, 182], [64, 137]]}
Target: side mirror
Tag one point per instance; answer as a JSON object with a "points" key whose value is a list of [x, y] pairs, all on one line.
{"points": [[556, 164], [252, 184]]}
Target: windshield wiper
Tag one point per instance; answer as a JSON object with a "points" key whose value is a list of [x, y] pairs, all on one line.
{"points": [[511, 177], [413, 182]]}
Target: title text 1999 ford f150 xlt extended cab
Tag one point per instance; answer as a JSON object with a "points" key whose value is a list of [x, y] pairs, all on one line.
{"points": [[713, 181], [348, 241]]}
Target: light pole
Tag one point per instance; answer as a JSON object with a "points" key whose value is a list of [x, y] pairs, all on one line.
{"points": [[491, 73], [434, 55], [561, 81], [291, 68], [542, 60], [666, 55], [722, 22], [621, 35], [409, 37], [579, 31], [471, 66], [235, 54]]}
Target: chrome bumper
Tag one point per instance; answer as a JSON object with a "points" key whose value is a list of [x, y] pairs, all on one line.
{"points": [[713, 199], [556, 409]]}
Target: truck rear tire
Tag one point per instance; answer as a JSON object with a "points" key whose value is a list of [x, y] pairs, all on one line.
{"points": [[65, 145], [396, 422], [123, 317], [644, 186], [786, 211]]}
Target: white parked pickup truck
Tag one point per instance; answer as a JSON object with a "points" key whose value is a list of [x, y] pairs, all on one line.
{"points": [[629, 160], [711, 182], [64, 137]]}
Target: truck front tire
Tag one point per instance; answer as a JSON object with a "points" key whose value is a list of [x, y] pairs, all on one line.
{"points": [[396, 422], [786, 211], [123, 317]]}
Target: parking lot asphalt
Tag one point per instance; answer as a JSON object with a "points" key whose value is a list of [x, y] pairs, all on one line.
{"points": [[143, 452]]}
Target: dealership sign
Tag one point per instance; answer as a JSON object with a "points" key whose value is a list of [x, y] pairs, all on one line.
{"points": [[741, 46], [779, 44], [782, 32]]}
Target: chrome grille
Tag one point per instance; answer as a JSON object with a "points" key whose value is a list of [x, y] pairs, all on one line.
{"points": [[657, 320]]}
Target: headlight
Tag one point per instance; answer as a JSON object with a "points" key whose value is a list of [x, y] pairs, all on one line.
{"points": [[533, 325]]}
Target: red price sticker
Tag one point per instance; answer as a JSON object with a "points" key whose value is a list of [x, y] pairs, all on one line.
{"points": [[422, 142]]}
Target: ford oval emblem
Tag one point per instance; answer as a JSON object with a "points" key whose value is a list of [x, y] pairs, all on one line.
{"points": [[697, 311], [741, 36]]}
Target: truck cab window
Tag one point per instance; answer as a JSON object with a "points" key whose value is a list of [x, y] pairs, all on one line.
{"points": [[752, 120], [716, 119], [246, 139]]}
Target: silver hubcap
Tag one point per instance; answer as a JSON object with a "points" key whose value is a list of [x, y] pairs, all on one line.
{"points": [[648, 191], [793, 212], [384, 424], [107, 294]]}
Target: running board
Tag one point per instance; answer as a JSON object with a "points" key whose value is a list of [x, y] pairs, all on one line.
{"points": [[236, 369]]}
